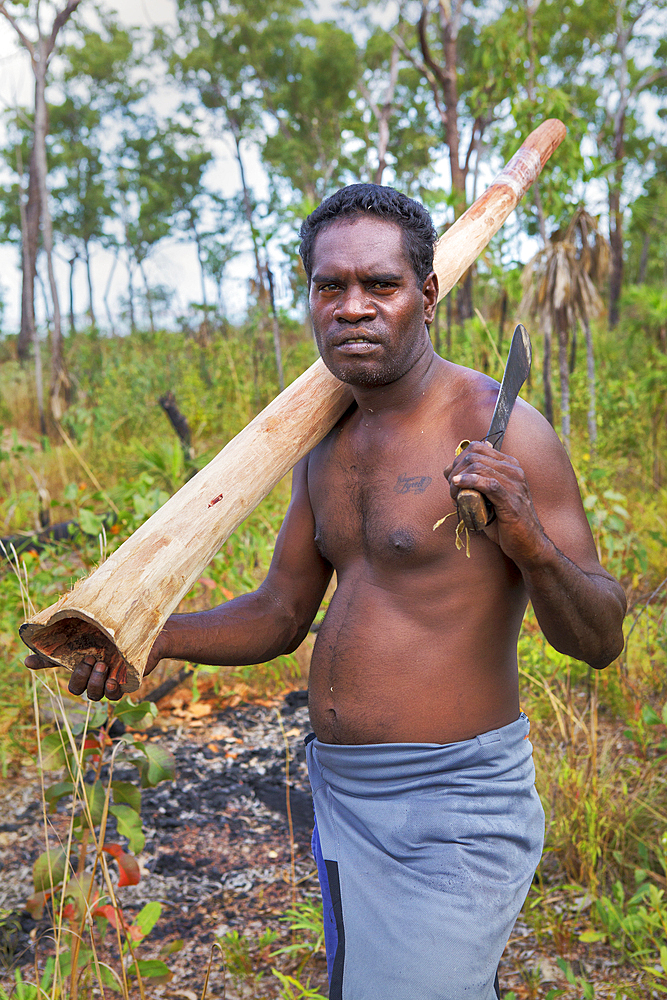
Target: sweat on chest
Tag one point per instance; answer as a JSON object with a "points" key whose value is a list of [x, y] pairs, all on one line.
{"points": [[384, 514]]}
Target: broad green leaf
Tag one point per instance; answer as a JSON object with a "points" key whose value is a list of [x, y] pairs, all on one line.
{"points": [[95, 795], [127, 793], [78, 889], [54, 751], [84, 957], [99, 714], [54, 793], [129, 825], [49, 870], [147, 917], [152, 968], [663, 958], [138, 715], [91, 524], [108, 977], [650, 716], [172, 947], [591, 937], [158, 766]]}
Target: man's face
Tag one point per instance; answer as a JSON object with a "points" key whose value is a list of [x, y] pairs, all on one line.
{"points": [[369, 313]]}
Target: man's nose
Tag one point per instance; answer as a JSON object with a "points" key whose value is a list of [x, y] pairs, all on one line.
{"points": [[354, 304]]}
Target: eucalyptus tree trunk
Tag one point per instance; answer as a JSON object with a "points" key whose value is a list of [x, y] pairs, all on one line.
{"points": [[590, 369], [72, 321], [32, 329], [112, 325], [247, 207], [276, 330], [149, 298], [91, 306], [531, 10], [546, 373], [383, 112], [41, 52], [444, 86], [29, 248], [60, 381], [564, 373]]}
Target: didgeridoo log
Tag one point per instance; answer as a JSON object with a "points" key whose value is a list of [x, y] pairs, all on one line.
{"points": [[117, 612]]}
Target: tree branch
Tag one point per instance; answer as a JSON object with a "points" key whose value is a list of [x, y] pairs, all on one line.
{"points": [[422, 68], [647, 81], [59, 21], [25, 41], [426, 52], [477, 124]]}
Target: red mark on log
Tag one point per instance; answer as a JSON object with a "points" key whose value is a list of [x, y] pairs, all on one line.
{"points": [[216, 499]]}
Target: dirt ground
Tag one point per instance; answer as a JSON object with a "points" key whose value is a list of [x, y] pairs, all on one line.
{"points": [[218, 859]]}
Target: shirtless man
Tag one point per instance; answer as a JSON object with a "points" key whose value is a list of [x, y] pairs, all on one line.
{"points": [[428, 826]]}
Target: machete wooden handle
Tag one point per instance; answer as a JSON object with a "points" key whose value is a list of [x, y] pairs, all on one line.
{"points": [[474, 509]]}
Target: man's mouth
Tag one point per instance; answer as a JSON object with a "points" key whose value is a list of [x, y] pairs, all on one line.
{"points": [[355, 343]]}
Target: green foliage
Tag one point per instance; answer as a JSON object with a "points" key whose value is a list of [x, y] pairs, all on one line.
{"points": [[307, 926], [61, 880], [636, 926]]}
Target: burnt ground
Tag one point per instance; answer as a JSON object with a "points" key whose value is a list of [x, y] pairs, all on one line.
{"points": [[218, 859]]}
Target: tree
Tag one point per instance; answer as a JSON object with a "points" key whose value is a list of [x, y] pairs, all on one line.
{"points": [[81, 194], [560, 288], [37, 210], [158, 175], [99, 75], [612, 54], [459, 54]]}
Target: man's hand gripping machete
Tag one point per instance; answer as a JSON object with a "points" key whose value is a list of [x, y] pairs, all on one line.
{"points": [[474, 509]]}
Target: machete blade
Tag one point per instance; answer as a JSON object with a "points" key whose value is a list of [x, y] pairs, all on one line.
{"points": [[476, 510], [515, 374]]}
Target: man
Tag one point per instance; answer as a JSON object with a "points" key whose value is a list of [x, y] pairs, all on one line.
{"points": [[428, 826]]}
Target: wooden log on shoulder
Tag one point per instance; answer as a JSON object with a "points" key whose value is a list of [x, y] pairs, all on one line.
{"points": [[119, 609]]}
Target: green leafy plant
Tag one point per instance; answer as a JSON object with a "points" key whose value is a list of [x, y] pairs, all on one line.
{"points": [[72, 876], [307, 926], [292, 989]]}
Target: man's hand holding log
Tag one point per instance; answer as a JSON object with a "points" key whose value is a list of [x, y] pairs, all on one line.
{"points": [[91, 675]]}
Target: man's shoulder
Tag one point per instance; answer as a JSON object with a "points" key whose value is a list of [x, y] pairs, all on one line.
{"points": [[471, 402]]}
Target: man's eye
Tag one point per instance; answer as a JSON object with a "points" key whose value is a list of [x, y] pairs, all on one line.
{"points": [[328, 288], [384, 286]]}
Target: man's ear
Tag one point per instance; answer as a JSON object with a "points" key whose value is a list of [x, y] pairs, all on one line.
{"points": [[430, 290]]}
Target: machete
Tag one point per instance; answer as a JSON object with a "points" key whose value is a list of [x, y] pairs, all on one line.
{"points": [[475, 510]]}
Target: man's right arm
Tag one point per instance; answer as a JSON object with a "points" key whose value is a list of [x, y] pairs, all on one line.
{"points": [[252, 628], [273, 619]]}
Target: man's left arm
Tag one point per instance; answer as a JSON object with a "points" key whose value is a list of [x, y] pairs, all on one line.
{"points": [[541, 525]]}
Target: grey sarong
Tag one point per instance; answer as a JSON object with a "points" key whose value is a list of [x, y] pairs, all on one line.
{"points": [[425, 855]]}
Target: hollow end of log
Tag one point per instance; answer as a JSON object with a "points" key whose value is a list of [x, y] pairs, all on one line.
{"points": [[70, 636]]}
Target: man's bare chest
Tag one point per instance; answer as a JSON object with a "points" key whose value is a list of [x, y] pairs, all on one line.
{"points": [[379, 499]]}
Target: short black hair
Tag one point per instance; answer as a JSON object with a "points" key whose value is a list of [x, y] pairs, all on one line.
{"points": [[419, 235]]}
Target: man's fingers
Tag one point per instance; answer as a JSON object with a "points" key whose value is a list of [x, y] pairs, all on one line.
{"points": [[112, 688], [80, 675], [97, 680], [35, 662]]}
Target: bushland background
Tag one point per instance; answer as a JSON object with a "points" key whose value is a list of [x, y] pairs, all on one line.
{"points": [[430, 98]]}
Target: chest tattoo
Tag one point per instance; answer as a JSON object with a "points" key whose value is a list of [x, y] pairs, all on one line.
{"points": [[412, 484]]}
